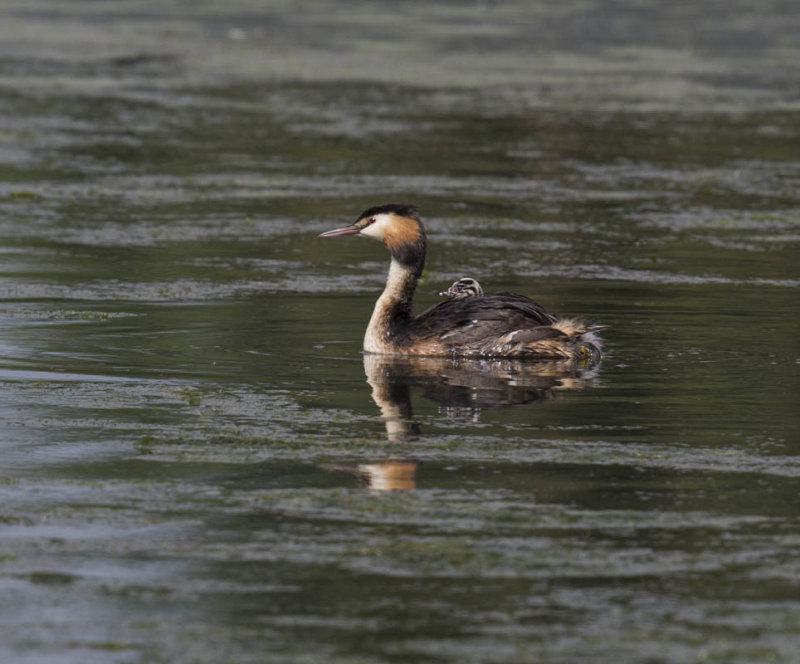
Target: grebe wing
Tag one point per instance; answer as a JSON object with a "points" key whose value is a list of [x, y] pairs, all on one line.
{"points": [[470, 319]]}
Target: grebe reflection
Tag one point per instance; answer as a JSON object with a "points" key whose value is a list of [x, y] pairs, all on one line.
{"points": [[462, 388]]}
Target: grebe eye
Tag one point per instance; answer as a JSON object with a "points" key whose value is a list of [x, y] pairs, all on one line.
{"points": [[371, 220]]}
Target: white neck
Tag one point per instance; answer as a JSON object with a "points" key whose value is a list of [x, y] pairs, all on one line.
{"points": [[394, 303]]}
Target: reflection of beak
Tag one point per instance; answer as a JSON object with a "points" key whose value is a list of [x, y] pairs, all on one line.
{"points": [[344, 230]]}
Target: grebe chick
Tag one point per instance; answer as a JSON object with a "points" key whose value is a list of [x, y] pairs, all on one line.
{"points": [[464, 287], [494, 325]]}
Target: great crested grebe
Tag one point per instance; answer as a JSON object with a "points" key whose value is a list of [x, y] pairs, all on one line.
{"points": [[493, 325], [464, 287]]}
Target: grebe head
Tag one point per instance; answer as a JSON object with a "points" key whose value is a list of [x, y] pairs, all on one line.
{"points": [[465, 287], [397, 225]]}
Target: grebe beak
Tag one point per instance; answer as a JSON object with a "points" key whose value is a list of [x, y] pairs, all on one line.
{"points": [[344, 230]]}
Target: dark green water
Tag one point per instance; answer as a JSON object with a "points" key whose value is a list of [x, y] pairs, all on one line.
{"points": [[197, 461]]}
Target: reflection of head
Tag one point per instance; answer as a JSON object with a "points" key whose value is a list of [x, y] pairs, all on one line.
{"points": [[392, 474], [466, 287]]}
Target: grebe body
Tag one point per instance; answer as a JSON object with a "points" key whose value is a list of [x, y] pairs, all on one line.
{"points": [[491, 325], [464, 287]]}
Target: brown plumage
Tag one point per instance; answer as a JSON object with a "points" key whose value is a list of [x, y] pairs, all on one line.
{"points": [[492, 325]]}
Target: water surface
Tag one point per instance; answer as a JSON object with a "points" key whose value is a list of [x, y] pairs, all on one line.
{"points": [[200, 465]]}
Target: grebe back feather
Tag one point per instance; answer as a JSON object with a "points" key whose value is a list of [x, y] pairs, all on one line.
{"points": [[492, 325]]}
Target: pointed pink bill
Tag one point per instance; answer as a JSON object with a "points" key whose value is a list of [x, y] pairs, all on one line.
{"points": [[344, 230]]}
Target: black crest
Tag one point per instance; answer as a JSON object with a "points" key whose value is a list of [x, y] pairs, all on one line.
{"points": [[400, 209]]}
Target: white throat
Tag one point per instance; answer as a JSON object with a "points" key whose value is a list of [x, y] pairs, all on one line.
{"points": [[378, 336]]}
